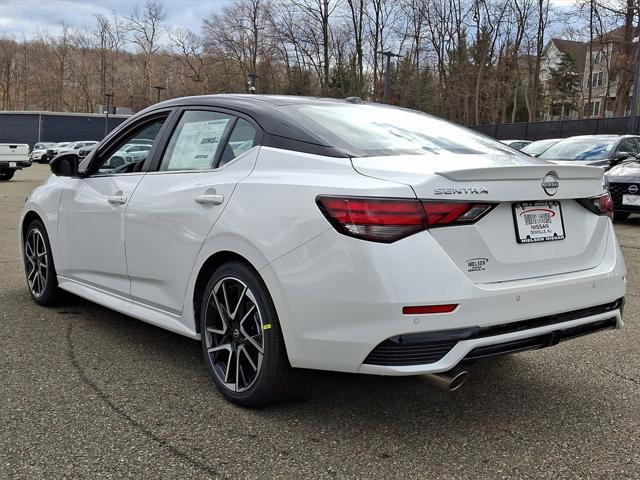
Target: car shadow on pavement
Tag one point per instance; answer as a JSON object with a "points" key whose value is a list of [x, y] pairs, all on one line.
{"points": [[507, 393]]}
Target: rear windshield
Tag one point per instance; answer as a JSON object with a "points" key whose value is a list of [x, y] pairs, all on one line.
{"points": [[536, 148], [583, 149], [375, 130]]}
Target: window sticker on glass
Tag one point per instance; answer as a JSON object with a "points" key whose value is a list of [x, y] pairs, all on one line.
{"points": [[195, 142]]}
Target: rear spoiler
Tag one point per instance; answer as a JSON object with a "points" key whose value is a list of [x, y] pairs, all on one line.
{"points": [[524, 172]]}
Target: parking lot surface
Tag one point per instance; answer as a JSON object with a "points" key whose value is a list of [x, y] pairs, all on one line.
{"points": [[89, 393]]}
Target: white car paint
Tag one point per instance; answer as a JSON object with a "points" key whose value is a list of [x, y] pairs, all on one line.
{"points": [[136, 242]]}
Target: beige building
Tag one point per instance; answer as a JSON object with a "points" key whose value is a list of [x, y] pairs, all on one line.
{"points": [[599, 81], [551, 58]]}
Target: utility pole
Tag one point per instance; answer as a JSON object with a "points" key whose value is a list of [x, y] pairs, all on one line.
{"points": [[633, 124], [106, 117], [159, 88], [385, 98]]}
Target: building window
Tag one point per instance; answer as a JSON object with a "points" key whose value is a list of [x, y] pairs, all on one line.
{"points": [[592, 109], [599, 57], [597, 79]]}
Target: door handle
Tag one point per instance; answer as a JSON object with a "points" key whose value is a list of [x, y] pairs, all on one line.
{"points": [[117, 200], [210, 199]]}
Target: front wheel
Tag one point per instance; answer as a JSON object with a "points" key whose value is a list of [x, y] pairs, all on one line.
{"points": [[7, 175], [38, 265], [242, 341]]}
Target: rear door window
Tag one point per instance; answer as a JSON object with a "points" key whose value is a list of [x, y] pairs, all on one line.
{"points": [[240, 141]]}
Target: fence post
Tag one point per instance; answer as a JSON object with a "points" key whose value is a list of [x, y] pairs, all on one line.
{"points": [[526, 131], [561, 125]]}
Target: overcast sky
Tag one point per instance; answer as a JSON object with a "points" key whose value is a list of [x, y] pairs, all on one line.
{"points": [[28, 18]]}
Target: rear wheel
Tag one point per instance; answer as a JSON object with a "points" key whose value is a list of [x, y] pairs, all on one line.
{"points": [[7, 175], [38, 265], [620, 215], [241, 339]]}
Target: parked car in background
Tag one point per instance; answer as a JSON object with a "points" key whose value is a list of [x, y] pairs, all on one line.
{"points": [[623, 181], [39, 152], [54, 149], [74, 147], [84, 151], [594, 150], [517, 144], [290, 232], [13, 157], [534, 149], [132, 152]]}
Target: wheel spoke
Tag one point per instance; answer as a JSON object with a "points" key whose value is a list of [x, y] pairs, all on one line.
{"points": [[235, 310], [226, 298], [248, 357], [226, 373], [237, 370], [30, 280], [38, 283], [221, 315], [226, 346]]}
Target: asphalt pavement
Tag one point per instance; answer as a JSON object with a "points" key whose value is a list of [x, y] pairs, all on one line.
{"points": [[89, 393]]}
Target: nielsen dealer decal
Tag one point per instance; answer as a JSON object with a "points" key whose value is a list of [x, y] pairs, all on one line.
{"points": [[477, 264]]}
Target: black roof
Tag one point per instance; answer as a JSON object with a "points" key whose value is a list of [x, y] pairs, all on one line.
{"points": [[282, 129]]}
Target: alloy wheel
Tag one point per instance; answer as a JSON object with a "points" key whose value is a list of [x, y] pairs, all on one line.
{"points": [[35, 253], [234, 334]]}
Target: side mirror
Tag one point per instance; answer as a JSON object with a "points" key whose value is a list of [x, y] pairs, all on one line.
{"points": [[620, 156], [65, 165]]}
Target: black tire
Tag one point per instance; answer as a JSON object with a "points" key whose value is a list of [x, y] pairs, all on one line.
{"points": [[45, 293], [620, 215], [275, 380], [7, 175]]}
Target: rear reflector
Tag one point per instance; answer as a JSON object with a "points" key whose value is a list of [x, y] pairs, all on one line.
{"points": [[425, 309], [390, 219]]}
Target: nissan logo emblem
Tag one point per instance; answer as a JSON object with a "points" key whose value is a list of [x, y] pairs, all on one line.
{"points": [[550, 184], [633, 189]]}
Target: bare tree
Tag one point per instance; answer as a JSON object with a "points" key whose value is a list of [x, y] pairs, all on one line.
{"points": [[146, 27]]}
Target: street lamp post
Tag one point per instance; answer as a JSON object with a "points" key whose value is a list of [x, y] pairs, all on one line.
{"points": [[159, 88], [388, 55], [109, 96], [251, 82]]}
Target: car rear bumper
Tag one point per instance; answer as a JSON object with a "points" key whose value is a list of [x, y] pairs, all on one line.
{"points": [[451, 348], [339, 299], [18, 165]]}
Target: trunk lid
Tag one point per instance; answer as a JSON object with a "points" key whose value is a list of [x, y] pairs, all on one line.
{"points": [[488, 250]]}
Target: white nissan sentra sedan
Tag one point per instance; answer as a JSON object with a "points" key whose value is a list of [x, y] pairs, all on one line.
{"points": [[291, 232]]}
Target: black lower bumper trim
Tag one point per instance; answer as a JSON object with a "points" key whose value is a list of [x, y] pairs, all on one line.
{"points": [[540, 341], [430, 347]]}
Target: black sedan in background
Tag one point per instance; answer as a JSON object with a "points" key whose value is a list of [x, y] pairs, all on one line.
{"points": [[624, 186], [594, 150]]}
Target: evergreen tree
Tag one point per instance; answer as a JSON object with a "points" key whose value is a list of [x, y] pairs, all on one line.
{"points": [[564, 84]]}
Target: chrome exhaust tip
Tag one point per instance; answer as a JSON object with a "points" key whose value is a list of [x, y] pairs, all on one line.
{"points": [[449, 381]]}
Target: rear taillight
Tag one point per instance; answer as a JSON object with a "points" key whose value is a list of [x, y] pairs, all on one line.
{"points": [[390, 219], [600, 205]]}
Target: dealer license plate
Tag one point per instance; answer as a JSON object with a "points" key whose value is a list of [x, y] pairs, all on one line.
{"points": [[631, 200], [538, 222]]}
